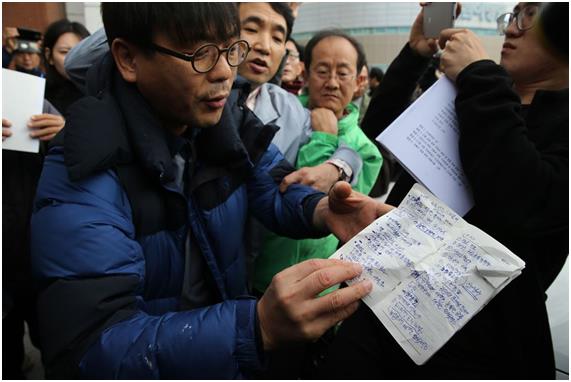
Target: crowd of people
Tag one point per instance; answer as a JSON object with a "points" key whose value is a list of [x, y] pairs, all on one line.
{"points": [[199, 166]]}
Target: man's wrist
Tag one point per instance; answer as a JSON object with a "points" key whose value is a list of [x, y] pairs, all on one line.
{"points": [[345, 171]]}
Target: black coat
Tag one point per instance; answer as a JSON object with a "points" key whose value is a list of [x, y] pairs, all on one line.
{"points": [[517, 161], [20, 174]]}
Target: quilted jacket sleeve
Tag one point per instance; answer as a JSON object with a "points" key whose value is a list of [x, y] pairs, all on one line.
{"points": [[94, 320], [289, 214]]}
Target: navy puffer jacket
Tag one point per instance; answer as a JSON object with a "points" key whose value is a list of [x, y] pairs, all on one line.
{"points": [[112, 268]]}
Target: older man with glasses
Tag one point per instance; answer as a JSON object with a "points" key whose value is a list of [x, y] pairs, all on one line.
{"points": [[332, 59], [514, 147]]}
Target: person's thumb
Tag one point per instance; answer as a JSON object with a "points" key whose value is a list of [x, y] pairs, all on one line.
{"points": [[338, 196]]}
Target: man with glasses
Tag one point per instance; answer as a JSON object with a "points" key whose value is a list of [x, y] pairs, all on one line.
{"points": [[137, 234], [292, 76], [514, 132]]}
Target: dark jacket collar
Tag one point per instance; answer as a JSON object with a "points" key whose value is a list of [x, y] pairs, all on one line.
{"points": [[115, 125]]}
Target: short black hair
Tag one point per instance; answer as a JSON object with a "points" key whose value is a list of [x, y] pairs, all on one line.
{"points": [[183, 22], [361, 58], [283, 10], [377, 73], [57, 28]]}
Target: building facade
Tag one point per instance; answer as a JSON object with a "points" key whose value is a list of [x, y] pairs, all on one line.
{"points": [[383, 27]]}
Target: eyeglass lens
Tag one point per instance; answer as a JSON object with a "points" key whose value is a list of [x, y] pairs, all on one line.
{"points": [[326, 75], [524, 19], [207, 56]]}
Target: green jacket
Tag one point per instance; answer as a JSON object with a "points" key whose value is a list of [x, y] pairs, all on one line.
{"points": [[279, 252]]}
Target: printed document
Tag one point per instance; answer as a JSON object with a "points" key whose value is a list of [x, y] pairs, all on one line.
{"points": [[431, 271], [22, 97], [424, 139]]}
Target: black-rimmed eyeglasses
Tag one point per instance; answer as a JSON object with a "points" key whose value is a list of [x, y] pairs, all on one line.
{"points": [[524, 19], [206, 57]]}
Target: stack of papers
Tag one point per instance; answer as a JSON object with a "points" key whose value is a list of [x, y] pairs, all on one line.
{"points": [[431, 271]]}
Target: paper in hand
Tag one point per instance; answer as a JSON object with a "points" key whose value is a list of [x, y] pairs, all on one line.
{"points": [[431, 271], [22, 97], [424, 139]]}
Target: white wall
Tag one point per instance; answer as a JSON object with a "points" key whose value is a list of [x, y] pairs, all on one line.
{"points": [[88, 14]]}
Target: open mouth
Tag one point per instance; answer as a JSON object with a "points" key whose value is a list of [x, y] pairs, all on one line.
{"points": [[258, 65]]}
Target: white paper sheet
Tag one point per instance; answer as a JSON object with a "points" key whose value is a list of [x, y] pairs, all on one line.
{"points": [[22, 97], [431, 271], [424, 139]]}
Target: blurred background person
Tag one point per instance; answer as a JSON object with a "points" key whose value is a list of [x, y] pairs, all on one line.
{"points": [[292, 75], [60, 37], [376, 75], [361, 97], [295, 8], [9, 37], [26, 57]]}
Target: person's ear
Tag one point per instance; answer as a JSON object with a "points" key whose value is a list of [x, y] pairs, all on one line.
{"points": [[125, 54], [48, 56], [359, 82]]}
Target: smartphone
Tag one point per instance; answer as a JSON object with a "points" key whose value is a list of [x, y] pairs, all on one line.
{"points": [[438, 16]]}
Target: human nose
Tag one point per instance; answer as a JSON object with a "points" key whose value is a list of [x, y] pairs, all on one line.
{"points": [[332, 81], [512, 30], [262, 43], [222, 70]]}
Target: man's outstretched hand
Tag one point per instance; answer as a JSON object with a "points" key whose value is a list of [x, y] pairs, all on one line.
{"points": [[345, 212], [290, 309]]}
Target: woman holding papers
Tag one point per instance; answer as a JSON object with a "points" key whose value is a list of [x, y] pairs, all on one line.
{"points": [[21, 171], [513, 120]]}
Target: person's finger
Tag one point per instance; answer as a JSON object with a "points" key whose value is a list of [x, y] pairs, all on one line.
{"points": [[446, 34], [432, 44], [300, 271], [340, 191], [343, 199], [290, 179], [42, 123], [6, 123], [337, 301], [43, 132], [36, 117], [340, 315], [322, 279], [6, 133], [52, 117], [48, 137], [42, 120], [318, 325]]}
